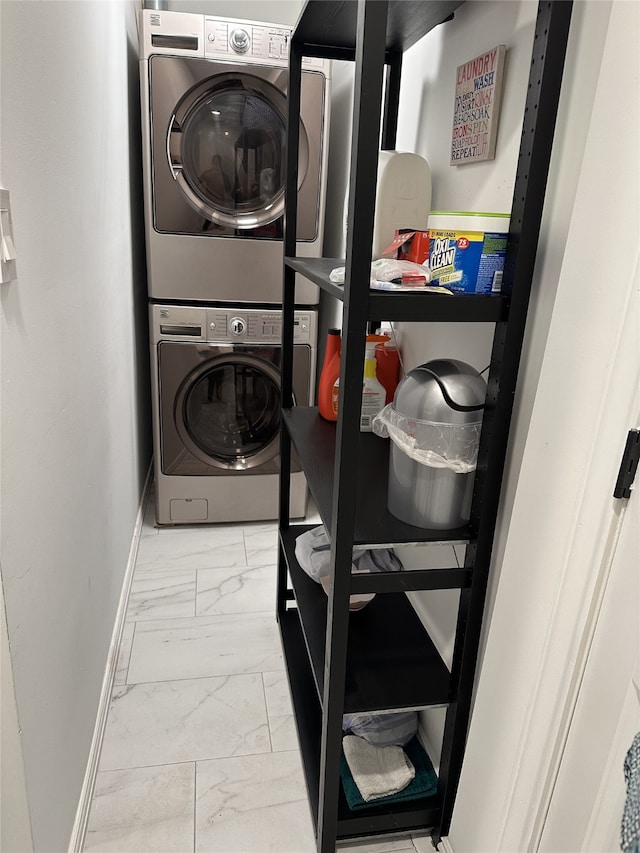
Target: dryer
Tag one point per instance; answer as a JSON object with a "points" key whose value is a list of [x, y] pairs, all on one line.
{"points": [[213, 95], [216, 411]]}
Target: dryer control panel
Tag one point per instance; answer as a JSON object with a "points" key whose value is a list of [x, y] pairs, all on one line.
{"points": [[224, 37], [188, 34], [245, 40]]}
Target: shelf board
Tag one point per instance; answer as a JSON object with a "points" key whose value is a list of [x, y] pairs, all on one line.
{"points": [[332, 23], [387, 667], [314, 440], [318, 271], [401, 816], [406, 306]]}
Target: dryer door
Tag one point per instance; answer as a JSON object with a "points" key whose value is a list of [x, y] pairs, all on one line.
{"points": [[226, 150], [218, 143]]}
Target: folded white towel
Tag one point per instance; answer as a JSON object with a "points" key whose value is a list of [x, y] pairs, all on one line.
{"points": [[378, 771]]}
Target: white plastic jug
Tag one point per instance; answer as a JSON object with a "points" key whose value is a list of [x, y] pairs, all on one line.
{"points": [[403, 198]]}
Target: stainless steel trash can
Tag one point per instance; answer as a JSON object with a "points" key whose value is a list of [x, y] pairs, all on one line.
{"points": [[437, 411]]}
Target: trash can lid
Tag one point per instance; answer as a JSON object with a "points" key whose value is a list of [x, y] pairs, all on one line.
{"points": [[443, 391]]}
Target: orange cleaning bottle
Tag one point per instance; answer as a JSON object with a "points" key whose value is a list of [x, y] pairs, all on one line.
{"points": [[387, 363], [329, 374]]}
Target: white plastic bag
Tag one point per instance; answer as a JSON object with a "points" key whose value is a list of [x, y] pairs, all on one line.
{"points": [[385, 269], [438, 445], [391, 729]]}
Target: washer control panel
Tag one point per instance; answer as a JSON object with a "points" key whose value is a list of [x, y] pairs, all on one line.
{"points": [[257, 326]]}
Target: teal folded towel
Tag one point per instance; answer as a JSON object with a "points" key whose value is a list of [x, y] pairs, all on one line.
{"points": [[425, 783]]}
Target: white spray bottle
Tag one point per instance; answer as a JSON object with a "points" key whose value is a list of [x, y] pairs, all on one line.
{"points": [[373, 392]]}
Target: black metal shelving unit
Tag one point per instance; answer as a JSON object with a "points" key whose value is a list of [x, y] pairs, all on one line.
{"points": [[381, 658]]}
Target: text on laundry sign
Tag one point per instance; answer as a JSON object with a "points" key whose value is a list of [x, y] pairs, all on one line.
{"points": [[476, 107]]}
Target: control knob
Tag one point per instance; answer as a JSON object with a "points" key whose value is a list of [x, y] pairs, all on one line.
{"points": [[239, 40], [237, 325]]}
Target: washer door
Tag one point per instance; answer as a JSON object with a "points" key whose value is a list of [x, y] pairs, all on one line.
{"points": [[227, 413]]}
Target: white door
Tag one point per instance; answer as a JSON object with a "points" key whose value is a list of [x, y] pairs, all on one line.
{"points": [[588, 799], [585, 789]]}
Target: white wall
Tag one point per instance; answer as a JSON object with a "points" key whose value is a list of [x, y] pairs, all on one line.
{"points": [[15, 827], [74, 374], [426, 114], [271, 11], [330, 309]]}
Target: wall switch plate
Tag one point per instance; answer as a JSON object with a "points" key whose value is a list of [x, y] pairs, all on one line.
{"points": [[7, 247]]}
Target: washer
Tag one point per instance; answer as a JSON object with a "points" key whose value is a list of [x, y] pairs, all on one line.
{"points": [[213, 94], [216, 411]]}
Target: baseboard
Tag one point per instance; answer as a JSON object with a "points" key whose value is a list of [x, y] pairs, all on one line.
{"points": [[86, 794], [445, 846]]}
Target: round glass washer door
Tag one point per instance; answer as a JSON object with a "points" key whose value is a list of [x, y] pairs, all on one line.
{"points": [[226, 147], [227, 412]]}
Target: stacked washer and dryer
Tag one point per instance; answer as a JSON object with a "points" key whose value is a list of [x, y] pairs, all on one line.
{"points": [[213, 93]]}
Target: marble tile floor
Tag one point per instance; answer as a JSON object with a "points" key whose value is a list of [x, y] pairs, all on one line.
{"points": [[200, 753]]}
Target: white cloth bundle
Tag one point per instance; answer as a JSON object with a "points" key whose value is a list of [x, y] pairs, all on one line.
{"points": [[378, 771]]}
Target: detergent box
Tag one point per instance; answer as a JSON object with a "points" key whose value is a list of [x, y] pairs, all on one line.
{"points": [[466, 250]]}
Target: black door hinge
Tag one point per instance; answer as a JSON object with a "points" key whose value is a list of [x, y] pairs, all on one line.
{"points": [[628, 466]]}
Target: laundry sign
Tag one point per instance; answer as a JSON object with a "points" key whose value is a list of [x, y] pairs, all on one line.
{"points": [[477, 107]]}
